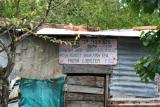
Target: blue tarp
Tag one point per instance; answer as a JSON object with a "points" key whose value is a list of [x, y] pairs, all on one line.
{"points": [[41, 93]]}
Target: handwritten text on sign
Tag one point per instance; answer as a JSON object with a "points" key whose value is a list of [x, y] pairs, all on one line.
{"points": [[90, 51]]}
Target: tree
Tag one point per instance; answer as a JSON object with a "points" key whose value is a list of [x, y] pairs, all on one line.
{"points": [[139, 6], [9, 50], [148, 66], [13, 18], [27, 15]]}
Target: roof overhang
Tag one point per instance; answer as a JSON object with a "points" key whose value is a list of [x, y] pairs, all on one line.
{"points": [[103, 33]]}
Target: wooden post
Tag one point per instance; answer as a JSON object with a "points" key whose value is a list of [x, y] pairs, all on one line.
{"points": [[64, 98], [106, 89]]}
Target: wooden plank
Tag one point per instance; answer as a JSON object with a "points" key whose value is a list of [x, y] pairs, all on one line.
{"points": [[146, 28], [87, 69], [135, 105], [106, 90], [83, 97], [93, 81], [84, 89], [135, 99], [84, 104]]}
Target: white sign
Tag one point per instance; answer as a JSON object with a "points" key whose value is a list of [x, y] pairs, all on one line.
{"points": [[90, 51]]}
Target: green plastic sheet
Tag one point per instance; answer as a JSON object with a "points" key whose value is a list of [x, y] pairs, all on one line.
{"points": [[41, 93]]}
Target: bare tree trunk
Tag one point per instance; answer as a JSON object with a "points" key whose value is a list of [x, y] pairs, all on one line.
{"points": [[4, 92], [10, 50], [17, 7], [5, 71]]}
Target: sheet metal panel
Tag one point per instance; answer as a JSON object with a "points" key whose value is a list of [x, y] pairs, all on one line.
{"points": [[112, 32], [124, 81]]}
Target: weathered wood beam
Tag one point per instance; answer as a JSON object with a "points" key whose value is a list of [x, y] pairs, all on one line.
{"points": [[106, 90], [139, 28], [87, 69], [83, 97], [84, 89]]}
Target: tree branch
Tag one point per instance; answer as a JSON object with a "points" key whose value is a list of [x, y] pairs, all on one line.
{"points": [[28, 33], [58, 4], [17, 7], [3, 33], [48, 8], [4, 48]]}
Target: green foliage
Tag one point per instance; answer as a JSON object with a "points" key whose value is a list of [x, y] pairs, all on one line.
{"points": [[23, 9], [147, 6], [107, 14], [149, 66]]}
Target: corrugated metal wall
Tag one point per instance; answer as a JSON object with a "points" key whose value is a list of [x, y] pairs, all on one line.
{"points": [[124, 81]]}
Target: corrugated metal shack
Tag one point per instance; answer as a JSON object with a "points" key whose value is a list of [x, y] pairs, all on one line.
{"points": [[90, 85], [103, 85]]}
